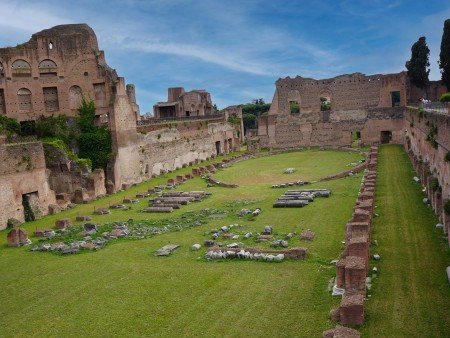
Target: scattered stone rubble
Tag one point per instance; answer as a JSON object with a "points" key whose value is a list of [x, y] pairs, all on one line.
{"points": [[169, 201], [300, 198], [289, 184], [289, 170], [351, 269], [90, 236], [257, 254], [166, 250]]}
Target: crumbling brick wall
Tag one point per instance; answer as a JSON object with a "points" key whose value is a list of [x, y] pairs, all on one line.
{"points": [[358, 103], [22, 171], [428, 143]]}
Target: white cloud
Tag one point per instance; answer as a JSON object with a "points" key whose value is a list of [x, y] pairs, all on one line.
{"points": [[22, 16]]}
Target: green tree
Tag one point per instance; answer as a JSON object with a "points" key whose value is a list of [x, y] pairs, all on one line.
{"points": [[444, 56], [94, 142], [53, 127], [249, 121], [418, 65]]}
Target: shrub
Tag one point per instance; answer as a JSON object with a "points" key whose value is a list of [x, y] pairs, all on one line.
{"points": [[434, 185], [9, 126], [445, 97], [53, 127], [447, 157], [447, 207]]}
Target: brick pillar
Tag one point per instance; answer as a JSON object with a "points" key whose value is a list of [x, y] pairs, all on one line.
{"points": [[340, 273], [355, 274], [359, 247], [352, 309]]}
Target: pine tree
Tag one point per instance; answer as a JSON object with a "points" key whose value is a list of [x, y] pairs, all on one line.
{"points": [[444, 56], [418, 66]]}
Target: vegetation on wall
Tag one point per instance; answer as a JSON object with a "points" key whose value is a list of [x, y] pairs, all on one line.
{"points": [[447, 207], [9, 126], [447, 157], [418, 65], [444, 56], [431, 136], [94, 143], [445, 97]]}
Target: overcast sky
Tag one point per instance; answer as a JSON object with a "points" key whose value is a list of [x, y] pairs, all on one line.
{"points": [[237, 49]]}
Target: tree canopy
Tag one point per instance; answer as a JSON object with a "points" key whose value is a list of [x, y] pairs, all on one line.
{"points": [[444, 56], [418, 65]]}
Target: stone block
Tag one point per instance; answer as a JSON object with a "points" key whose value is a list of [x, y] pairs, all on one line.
{"points": [[63, 223], [18, 237], [351, 310]]}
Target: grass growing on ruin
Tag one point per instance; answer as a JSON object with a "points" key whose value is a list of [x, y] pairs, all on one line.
{"points": [[411, 296], [124, 290]]}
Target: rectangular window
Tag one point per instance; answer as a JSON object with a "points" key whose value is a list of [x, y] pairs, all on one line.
{"points": [[294, 107], [51, 101], [395, 96]]}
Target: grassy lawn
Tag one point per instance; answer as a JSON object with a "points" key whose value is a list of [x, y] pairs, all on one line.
{"points": [[412, 296], [124, 290]]}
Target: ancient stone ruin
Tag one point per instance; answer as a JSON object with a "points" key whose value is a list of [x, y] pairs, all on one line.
{"points": [[300, 198], [351, 268], [48, 76]]}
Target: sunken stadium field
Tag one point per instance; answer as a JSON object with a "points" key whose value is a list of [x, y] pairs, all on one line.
{"points": [[125, 290]]}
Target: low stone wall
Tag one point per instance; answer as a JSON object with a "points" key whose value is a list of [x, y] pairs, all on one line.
{"points": [[70, 181], [168, 149], [23, 173], [351, 269], [428, 143]]}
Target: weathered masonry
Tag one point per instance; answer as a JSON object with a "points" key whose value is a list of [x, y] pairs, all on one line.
{"points": [[49, 74], [333, 112]]}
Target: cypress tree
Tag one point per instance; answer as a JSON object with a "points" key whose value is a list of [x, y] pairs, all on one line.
{"points": [[418, 65], [444, 56]]}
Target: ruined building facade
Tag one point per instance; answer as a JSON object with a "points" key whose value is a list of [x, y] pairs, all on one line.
{"points": [[371, 105], [184, 104], [48, 76]]}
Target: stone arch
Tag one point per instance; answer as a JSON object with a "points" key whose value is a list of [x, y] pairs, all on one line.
{"points": [[21, 68], [75, 97], [48, 68], [24, 99]]}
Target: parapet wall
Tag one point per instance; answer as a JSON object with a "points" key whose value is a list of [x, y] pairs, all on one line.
{"points": [[23, 172], [428, 143]]}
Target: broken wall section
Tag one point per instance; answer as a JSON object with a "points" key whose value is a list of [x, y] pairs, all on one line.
{"points": [[427, 142], [23, 176]]}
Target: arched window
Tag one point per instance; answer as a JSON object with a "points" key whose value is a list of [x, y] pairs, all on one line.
{"points": [[21, 68], [48, 68], [1, 71], [24, 98], [50, 45], [75, 97]]}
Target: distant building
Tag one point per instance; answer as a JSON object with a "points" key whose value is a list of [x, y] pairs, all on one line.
{"points": [[184, 104]]}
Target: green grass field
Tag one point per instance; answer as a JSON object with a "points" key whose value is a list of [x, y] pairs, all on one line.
{"points": [[411, 298], [124, 290]]}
